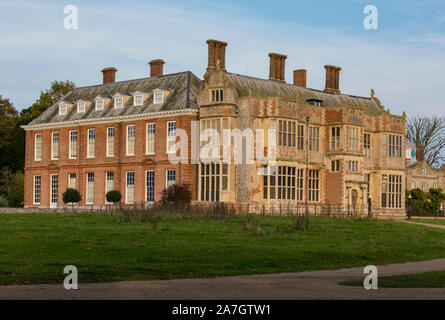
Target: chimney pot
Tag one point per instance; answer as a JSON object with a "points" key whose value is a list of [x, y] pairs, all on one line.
{"points": [[109, 75], [217, 55], [332, 79], [300, 77], [277, 67], [156, 67], [420, 153]]}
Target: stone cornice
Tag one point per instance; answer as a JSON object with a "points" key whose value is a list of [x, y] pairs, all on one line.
{"points": [[132, 117]]}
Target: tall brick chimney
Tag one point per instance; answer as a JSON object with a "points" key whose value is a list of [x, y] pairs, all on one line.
{"points": [[156, 67], [217, 55], [300, 77], [109, 75], [420, 153], [332, 79], [277, 67]]}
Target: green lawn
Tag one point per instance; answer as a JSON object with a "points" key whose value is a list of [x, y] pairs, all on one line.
{"points": [[36, 247], [430, 221], [434, 279]]}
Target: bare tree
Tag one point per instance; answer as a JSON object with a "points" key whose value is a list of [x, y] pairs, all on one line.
{"points": [[428, 132]]}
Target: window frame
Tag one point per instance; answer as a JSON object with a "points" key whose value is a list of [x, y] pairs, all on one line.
{"points": [[53, 145], [146, 186], [93, 144], [171, 138], [147, 138], [116, 99], [63, 109], [92, 188], [38, 137], [167, 171], [70, 142], [127, 140], [108, 154], [141, 96], [127, 175], [156, 99], [99, 105], [81, 110], [34, 190]]}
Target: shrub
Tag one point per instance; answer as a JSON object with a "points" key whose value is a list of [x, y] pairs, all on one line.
{"points": [[71, 196], [177, 194], [3, 202], [113, 196]]}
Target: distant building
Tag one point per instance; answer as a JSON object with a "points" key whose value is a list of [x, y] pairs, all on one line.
{"points": [[420, 175], [355, 148]]}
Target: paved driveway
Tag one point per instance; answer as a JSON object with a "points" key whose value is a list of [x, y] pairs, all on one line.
{"points": [[301, 285]]}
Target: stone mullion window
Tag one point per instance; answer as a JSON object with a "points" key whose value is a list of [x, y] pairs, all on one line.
{"points": [[314, 185], [283, 183], [335, 138], [314, 138], [286, 133], [367, 144]]}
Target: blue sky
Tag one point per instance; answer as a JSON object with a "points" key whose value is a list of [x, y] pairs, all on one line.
{"points": [[403, 60]]}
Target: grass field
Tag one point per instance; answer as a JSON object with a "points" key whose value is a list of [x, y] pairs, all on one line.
{"points": [[430, 221], [434, 279], [36, 247]]}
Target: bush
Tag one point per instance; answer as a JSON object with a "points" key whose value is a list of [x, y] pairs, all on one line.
{"points": [[177, 194], [3, 202], [71, 196], [113, 196]]}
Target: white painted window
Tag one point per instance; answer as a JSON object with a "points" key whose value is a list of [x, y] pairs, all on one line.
{"points": [[150, 186], [73, 145], [55, 146], [118, 102], [150, 138], [90, 188], [109, 183], [81, 107], [171, 137], [72, 181], [91, 143], [171, 177], [62, 109], [37, 189], [129, 191], [131, 133], [158, 97], [99, 104], [110, 141], [54, 190], [38, 147], [138, 100]]}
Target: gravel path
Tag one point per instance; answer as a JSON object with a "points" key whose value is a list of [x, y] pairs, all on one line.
{"points": [[301, 285]]}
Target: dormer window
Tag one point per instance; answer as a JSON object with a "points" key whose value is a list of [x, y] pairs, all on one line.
{"points": [[315, 102], [118, 102], [158, 97], [217, 95], [138, 100], [99, 104], [81, 107], [62, 109]]}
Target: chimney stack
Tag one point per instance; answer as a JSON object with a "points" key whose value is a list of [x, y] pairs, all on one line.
{"points": [[156, 67], [420, 153], [300, 77], [332, 79], [217, 55], [277, 67], [109, 75]]}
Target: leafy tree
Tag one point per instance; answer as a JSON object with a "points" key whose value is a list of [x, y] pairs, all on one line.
{"points": [[71, 196], [8, 121], [12, 187], [3, 202], [47, 99], [435, 197], [113, 196], [177, 194], [428, 132]]}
